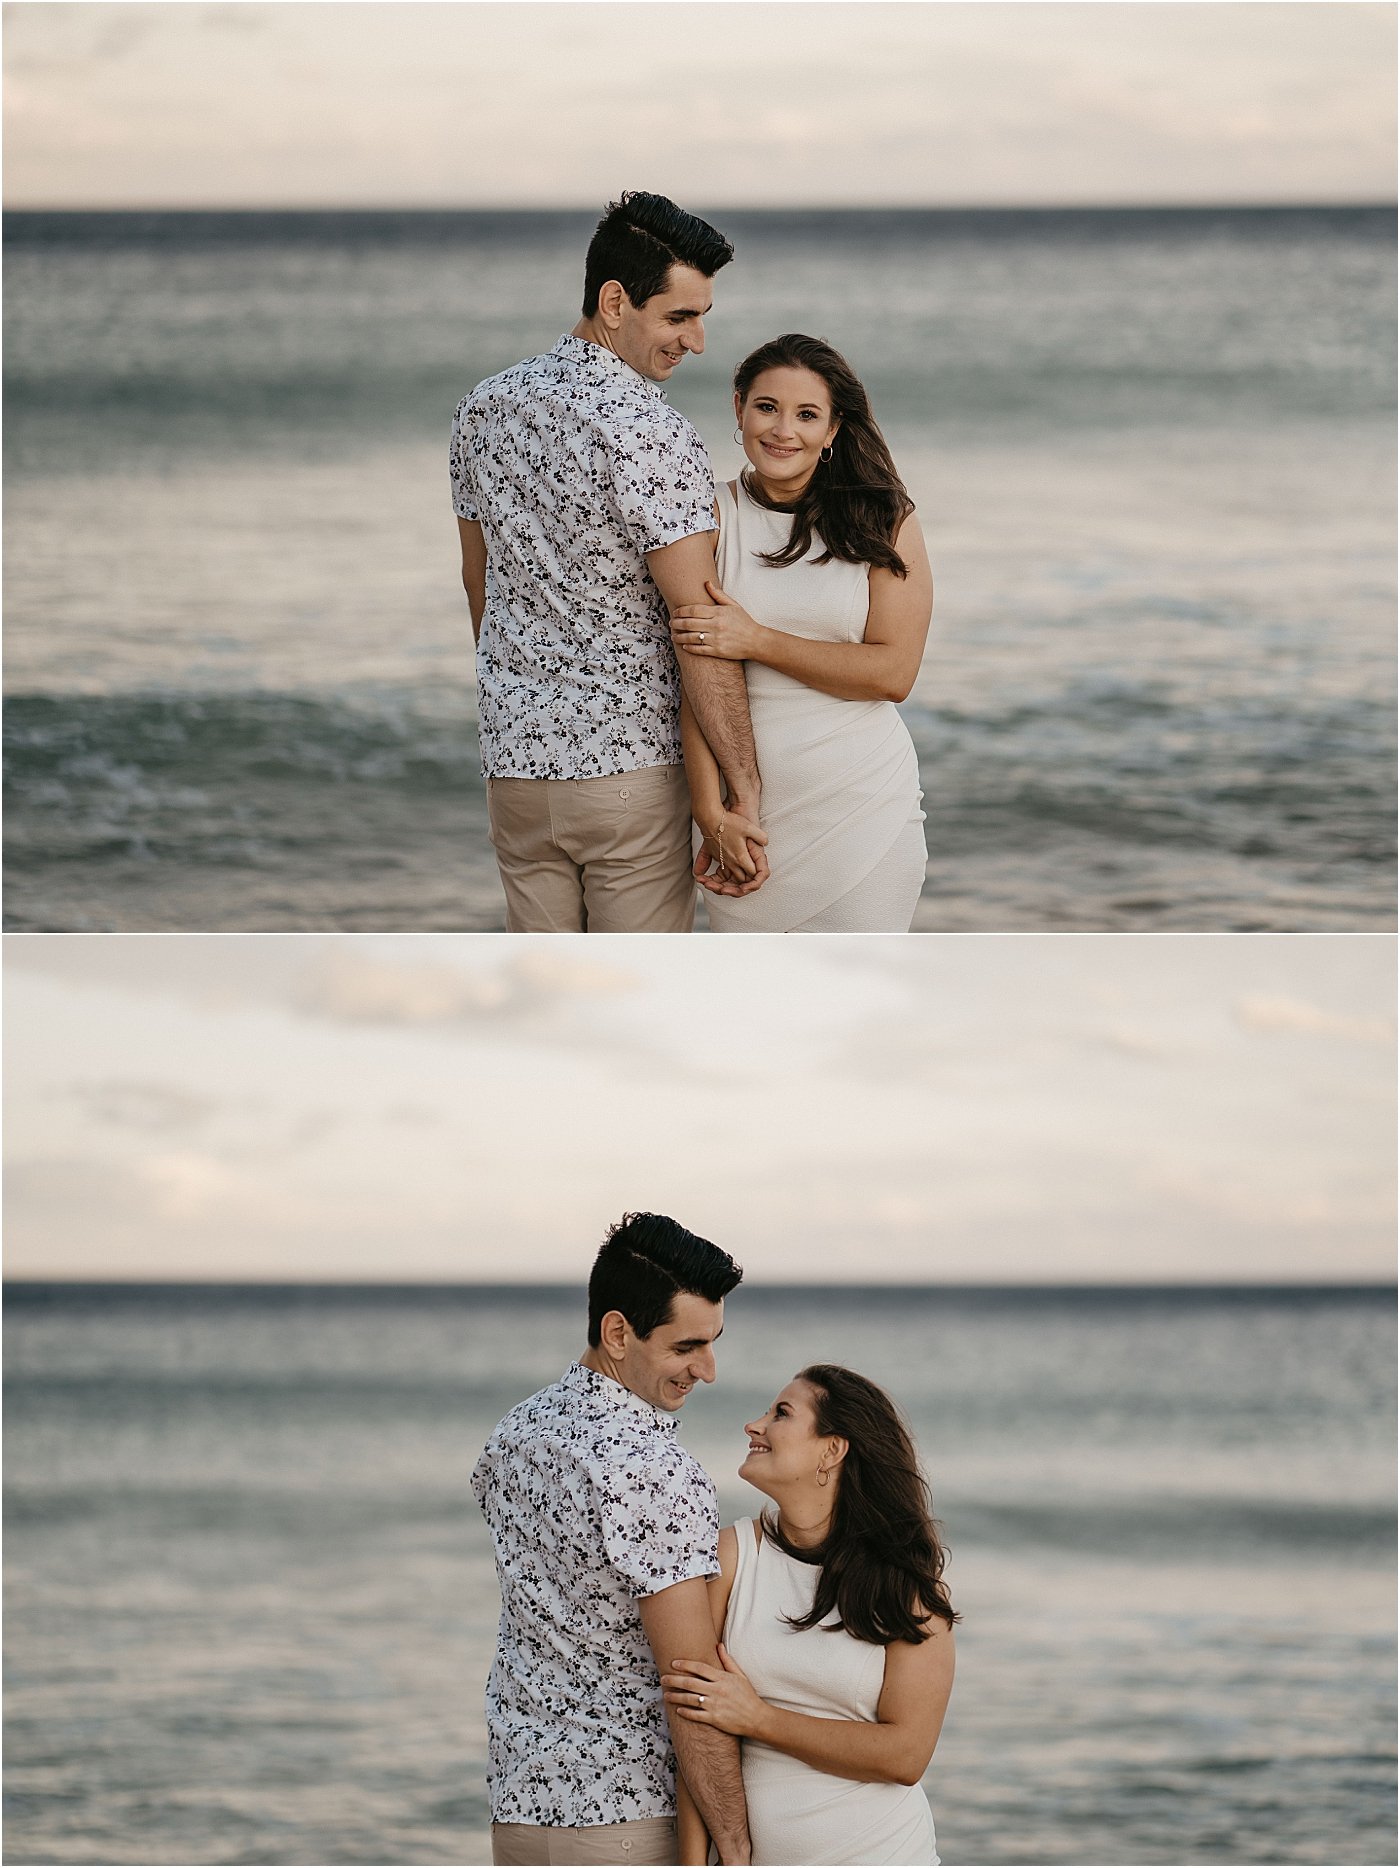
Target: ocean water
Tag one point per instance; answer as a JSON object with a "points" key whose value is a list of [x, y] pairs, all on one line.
{"points": [[251, 1604], [1153, 452]]}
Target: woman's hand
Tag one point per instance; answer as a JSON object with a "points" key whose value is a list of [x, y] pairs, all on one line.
{"points": [[722, 628], [725, 863], [707, 1695]]}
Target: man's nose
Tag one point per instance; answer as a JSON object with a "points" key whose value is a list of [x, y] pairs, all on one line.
{"points": [[703, 1367], [693, 337]]}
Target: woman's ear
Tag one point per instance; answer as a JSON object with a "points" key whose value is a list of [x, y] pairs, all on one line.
{"points": [[836, 1449]]}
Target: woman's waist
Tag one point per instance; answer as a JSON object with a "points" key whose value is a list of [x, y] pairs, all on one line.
{"points": [[868, 735]]}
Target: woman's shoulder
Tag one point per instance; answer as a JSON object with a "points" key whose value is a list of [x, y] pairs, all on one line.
{"points": [[730, 1546]]}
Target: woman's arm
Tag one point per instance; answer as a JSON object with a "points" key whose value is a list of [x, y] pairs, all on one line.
{"points": [[882, 667], [692, 1837], [691, 1834], [726, 834], [894, 1748]]}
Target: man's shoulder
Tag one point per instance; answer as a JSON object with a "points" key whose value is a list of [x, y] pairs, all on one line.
{"points": [[544, 1403], [508, 382], [634, 409]]}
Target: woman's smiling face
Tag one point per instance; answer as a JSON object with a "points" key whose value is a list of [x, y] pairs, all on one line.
{"points": [[786, 422], [784, 1446]]}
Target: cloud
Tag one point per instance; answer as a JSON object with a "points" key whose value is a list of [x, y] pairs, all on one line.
{"points": [[1276, 1016], [185, 1186], [356, 987], [151, 1107], [1133, 1041]]}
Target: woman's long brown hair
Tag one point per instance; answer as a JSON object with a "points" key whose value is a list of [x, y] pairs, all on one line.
{"points": [[882, 1561], [856, 501]]}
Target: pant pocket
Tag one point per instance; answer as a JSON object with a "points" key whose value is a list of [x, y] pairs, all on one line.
{"points": [[645, 788]]}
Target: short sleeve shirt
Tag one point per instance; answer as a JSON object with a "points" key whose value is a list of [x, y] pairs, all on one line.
{"points": [[575, 466], [592, 1502]]}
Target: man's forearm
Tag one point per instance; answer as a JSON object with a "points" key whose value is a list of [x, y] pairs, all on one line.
{"points": [[719, 699], [709, 1762]]}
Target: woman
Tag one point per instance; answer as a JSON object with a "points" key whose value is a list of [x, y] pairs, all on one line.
{"points": [[825, 595], [836, 1633]]}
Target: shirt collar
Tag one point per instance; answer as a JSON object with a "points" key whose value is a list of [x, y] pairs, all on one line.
{"points": [[580, 1380], [600, 364]]}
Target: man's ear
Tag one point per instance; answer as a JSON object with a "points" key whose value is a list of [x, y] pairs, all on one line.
{"points": [[614, 1331], [612, 302]]}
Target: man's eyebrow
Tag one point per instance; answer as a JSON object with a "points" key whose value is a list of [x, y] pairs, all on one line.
{"points": [[692, 311], [699, 1342]]}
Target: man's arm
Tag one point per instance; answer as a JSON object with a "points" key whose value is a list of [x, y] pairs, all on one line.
{"points": [[678, 1622], [717, 692], [474, 570]]}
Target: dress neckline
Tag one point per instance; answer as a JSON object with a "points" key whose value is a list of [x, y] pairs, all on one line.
{"points": [[773, 512]]}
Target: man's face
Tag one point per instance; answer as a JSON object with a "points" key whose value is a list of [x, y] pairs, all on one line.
{"points": [[654, 337], [663, 1368]]}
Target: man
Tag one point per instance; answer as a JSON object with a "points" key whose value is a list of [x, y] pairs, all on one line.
{"points": [[605, 1529], [585, 504]]}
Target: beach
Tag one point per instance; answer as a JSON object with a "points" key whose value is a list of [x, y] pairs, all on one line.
{"points": [[251, 1604], [1152, 450]]}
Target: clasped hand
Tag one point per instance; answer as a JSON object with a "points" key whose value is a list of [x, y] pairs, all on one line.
{"points": [[722, 627], [730, 860], [708, 1695]]}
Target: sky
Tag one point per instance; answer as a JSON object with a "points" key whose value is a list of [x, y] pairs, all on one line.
{"points": [[1015, 1108], [728, 103]]}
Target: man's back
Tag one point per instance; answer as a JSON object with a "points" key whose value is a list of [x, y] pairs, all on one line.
{"points": [[591, 1502], [575, 466]]}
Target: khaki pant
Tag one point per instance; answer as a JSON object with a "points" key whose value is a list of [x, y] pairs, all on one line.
{"points": [[611, 1845], [595, 855]]}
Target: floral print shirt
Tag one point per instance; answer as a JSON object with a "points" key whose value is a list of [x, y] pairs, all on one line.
{"points": [[575, 466], [591, 1502]]}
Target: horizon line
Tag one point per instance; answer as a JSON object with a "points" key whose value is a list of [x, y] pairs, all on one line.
{"points": [[772, 1284], [1225, 205]]}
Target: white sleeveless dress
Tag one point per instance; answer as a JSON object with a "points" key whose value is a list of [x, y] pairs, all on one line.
{"points": [[840, 777], [797, 1814]]}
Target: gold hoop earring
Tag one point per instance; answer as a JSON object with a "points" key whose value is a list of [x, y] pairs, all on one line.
{"points": [[825, 455], [823, 1476], [737, 435]]}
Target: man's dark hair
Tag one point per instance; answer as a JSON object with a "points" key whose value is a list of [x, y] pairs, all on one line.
{"points": [[638, 241], [644, 1262]]}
